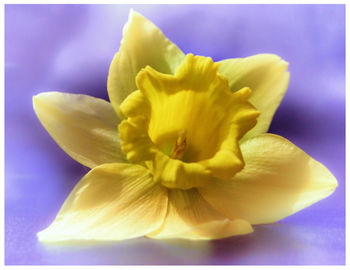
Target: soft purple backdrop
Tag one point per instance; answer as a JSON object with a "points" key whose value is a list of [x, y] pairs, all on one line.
{"points": [[69, 47]]}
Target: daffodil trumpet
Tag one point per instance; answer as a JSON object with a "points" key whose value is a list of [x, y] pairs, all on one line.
{"points": [[181, 149]]}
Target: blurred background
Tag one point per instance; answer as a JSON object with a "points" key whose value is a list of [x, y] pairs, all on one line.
{"points": [[68, 48]]}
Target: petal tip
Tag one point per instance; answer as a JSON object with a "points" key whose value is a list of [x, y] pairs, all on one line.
{"points": [[333, 183], [132, 13], [36, 100], [36, 97], [275, 58], [46, 236]]}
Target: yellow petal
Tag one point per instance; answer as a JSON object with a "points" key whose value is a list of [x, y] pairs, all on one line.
{"points": [[266, 75], [112, 202], [143, 44], [189, 123], [189, 216], [196, 101], [278, 180], [86, 128]]}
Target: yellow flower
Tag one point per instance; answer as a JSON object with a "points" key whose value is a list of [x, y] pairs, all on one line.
{"points": [[188, 156]]}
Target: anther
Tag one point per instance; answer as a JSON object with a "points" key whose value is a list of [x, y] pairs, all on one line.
{"points": [[179, 147]]}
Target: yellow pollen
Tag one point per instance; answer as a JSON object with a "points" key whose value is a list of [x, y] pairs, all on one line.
{"points": [[179, 147]]}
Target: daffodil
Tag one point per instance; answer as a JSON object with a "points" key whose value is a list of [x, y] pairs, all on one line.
{"points": [[181, 150]]}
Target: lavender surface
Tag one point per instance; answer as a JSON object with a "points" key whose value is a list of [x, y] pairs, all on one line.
{"points": [[68, 48]]}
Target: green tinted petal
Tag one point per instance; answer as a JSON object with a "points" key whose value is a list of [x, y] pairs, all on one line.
{"points": [[143, 44], [86, 128], [189, 216], [112, 202], [278, 180], [267, 76]]}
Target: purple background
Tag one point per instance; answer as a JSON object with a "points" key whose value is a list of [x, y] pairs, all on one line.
{"points": [[69, 47]]}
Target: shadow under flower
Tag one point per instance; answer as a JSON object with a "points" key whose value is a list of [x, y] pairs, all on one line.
{"points": [[269, 245]]}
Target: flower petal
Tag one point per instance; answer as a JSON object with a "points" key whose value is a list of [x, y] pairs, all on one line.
{"points": [[191, 217], [278, 180], [143, 44], [266, 75], [112, 202], [86, 128]]}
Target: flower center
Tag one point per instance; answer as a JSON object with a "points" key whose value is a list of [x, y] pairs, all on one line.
{"points": [[185, 127], [179, 147]]}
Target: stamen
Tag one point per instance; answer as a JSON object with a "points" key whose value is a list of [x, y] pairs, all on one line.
{"points": [[179, 147]]}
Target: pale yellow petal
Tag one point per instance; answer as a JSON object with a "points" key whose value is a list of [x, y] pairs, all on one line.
{"points": [[266, 75], [278, 180], [112, 202], [86, 128], [143, 44], [189, 216]]}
